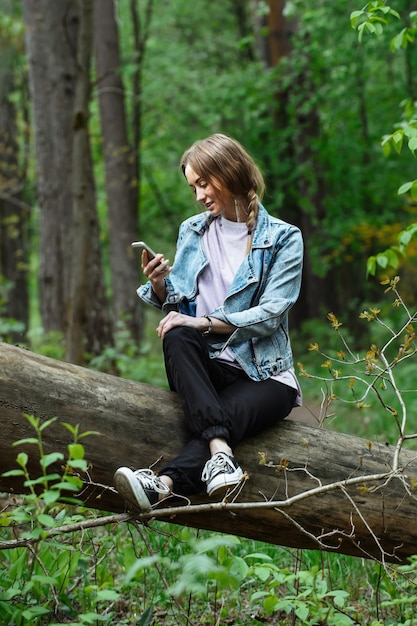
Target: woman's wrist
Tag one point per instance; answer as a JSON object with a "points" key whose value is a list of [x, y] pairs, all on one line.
{"points": [[207, 330], [159, 289]]}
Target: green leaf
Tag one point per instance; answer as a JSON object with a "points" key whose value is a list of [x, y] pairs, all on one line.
{"points": [[405, 187], [259, 556], [270, 604], [42, 480], [146, 617], [239, 568], [81, 464], [107, 594], [46, 520], [15, 472], [302, 612], [397, 140], [53, 457], [354, 17], [371, 266], [67, 486], [50, 497], [262, 572], [382, 260], [87, 433], [412, 144], [140, 565], [33, 421], [22, 459], [34, 611], [47, 423], [392, 257], [76, 450], [92, 618], [44, 580], [23, 441]]}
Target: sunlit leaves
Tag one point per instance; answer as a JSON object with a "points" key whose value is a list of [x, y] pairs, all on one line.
{"points": [[372, 18]]}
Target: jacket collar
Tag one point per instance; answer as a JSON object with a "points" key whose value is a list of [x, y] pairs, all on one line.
{"points": [[262, 237], [262, 234]]}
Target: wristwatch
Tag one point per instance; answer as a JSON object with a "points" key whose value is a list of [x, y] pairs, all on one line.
{"points": [[209, 327]]}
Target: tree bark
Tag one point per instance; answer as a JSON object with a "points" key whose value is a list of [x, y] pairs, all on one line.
{"points": [[81, 191], [120, 160], [138, 424], [59, 79], [51, 33], [14, 213]]}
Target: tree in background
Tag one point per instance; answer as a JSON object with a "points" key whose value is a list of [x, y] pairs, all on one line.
{"points": [[121, 157], [71, 281], [14, 212]]}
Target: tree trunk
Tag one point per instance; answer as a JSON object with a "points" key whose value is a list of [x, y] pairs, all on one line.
{"points": [[14, 214], [69, 233], [370, 512], [50, 31], [121, 177], [291, 112], [80, 185]]}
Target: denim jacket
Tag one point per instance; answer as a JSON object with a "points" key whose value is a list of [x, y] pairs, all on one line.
{"points": [[264, 289]]}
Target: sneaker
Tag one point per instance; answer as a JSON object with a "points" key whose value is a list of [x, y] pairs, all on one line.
{"points": [[221, 472], [141, 488]]}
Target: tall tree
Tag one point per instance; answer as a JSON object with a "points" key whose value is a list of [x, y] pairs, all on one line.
{"points": [[71, 278], [122, 177], [51, 29], [14, 212], [304, 122]]}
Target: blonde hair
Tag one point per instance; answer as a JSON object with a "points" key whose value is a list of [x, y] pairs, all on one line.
{"points": [[224, 160]]}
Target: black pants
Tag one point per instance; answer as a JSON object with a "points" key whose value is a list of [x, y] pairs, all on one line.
{"points": [[218, 400]]}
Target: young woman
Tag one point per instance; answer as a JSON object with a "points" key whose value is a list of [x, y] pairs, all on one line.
{"points": [[236, 274]]}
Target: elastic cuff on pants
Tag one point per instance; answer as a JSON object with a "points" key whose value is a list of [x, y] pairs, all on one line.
{"points": [[216, 431]]}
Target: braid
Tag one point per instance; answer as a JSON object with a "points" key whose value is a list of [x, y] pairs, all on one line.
{"points": [[253, 209]]}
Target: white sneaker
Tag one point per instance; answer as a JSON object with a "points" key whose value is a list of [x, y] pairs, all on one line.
{"points": [[141, 488], [221, 472]]}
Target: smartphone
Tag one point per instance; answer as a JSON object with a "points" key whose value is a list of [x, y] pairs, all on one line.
{"points": [[143, 246]]}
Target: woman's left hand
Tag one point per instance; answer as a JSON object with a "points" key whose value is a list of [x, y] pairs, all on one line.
{"points": [[174, 319]]}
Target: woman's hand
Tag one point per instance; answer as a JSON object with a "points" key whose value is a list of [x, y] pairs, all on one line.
{"points": [[156, 270], [174, 319], [201, 324]]}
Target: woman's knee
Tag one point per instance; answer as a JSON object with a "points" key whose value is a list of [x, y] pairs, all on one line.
{"points": [[178, 336]]}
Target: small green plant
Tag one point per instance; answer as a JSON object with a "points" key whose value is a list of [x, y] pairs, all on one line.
{"points": [[355, 379], [305, 594], [36, 572]]}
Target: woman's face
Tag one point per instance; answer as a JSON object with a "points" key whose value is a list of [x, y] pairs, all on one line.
{"points": [[218, 200]]}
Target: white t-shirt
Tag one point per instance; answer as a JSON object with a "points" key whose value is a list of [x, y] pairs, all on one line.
{"points": [[225, 246]]}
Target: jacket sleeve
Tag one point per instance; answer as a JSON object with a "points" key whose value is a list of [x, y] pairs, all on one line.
{"points": [[277, 290], [172, 298]]}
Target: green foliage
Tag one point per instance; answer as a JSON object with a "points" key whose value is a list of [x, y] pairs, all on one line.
{"points": [[8, 326], [372, 18], [392, 256], [37, 577], [142, 362]]}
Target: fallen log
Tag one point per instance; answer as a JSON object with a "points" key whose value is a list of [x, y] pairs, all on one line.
{"points": [[330, 491]]}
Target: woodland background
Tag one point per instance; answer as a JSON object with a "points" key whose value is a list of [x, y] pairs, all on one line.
{"points": [[98, 100]]}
